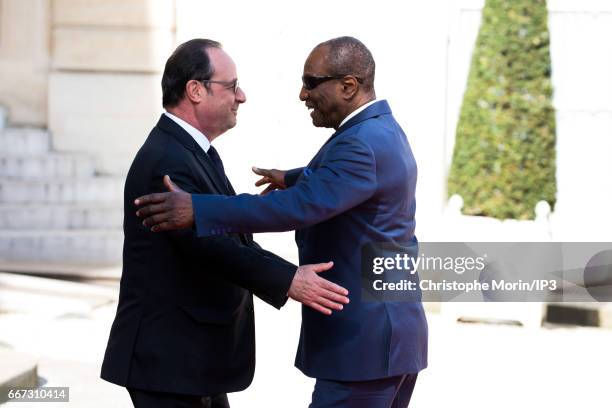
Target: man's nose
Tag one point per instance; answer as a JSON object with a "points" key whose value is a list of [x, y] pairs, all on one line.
{"points": [[303, 94], [240, 95]]}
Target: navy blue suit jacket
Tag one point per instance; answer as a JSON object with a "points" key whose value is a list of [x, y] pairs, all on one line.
{"points": [[358, 189]]}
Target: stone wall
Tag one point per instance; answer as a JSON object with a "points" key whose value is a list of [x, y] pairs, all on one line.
{"points": [[81, 84], [24, 59], [104, 91]]}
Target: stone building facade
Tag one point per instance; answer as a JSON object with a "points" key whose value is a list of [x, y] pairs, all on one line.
{"points": [[79, 88]]}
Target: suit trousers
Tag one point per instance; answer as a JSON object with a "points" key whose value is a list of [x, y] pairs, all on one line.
{"points": [[154, 399], [392, 392]]}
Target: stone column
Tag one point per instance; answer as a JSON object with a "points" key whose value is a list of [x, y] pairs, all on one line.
{"points": [[24, 60], [104, 85]]}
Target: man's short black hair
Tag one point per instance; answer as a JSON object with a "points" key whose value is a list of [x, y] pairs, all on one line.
{"points": [[348, 55], [189, 61]]}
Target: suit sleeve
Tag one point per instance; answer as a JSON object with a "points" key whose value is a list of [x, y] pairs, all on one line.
{"points": [[264, 274], [291, 176], [346, 178]]}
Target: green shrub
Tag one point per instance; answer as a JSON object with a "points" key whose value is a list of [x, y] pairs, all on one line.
{"points": [[504, 156]]}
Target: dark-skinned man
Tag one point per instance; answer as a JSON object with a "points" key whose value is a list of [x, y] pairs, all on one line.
{"points": [[183, 335], [359, 189]]}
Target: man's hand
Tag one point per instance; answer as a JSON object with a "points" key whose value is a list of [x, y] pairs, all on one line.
{"points": [[313, 291], [274, 178], [166, 211]]}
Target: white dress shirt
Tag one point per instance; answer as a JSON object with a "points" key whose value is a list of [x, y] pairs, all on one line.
{"points": [[199, 137]]}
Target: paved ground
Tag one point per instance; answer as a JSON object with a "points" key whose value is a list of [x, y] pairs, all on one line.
{"points": [[471, 365]]}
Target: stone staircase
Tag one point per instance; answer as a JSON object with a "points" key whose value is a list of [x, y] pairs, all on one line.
{"points": [[53, 205]]}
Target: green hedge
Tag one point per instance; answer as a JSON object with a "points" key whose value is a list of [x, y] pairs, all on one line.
{"points": [[504, 157]]}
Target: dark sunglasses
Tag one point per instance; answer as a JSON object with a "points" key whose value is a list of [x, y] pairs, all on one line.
{"points": [[310, 82]]}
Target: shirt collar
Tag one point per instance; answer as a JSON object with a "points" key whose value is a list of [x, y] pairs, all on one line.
{"points": [[198, 136], [356, 111]]}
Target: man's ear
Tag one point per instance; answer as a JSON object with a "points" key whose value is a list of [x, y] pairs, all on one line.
{"points": [[193, 91], [350, 86]]}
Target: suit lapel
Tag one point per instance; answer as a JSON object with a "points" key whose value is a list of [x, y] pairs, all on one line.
{"points": [[209, 170], [232, 192]]}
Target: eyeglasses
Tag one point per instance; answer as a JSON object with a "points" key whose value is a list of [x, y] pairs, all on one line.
{"points": [[310, 82], [233, 85]]}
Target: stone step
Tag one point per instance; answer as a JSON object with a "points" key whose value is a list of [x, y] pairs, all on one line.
{"points": [[45, 166], [62, 190], [52, 297], [16, 371], [91, 246], [106, 275], [24, 140], [60, 216]]}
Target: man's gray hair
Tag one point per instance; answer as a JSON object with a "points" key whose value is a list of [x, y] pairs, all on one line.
{"points": [[348, 55]]}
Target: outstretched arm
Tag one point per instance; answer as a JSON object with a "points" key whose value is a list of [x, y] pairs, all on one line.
{"points": [[266, 275], [345, 179]]}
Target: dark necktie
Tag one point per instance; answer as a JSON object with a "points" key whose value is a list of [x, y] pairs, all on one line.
{"points": [[216, 159]]}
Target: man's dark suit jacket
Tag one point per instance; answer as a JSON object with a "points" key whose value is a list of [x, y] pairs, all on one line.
{"points": [[185, 321]]}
